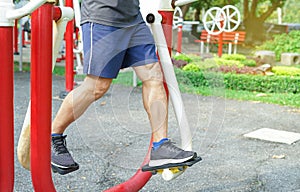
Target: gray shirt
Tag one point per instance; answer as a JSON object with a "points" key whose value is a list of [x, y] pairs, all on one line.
{"points": [[117, 13]]}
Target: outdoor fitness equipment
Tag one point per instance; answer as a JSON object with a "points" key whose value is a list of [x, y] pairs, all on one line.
{"points": [[43, 15], [59, 27], [216, 20], [41, 77], [167, 67]]}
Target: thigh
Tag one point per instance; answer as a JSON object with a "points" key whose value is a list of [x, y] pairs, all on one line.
{"points": [[104, 49], [141, 49]]}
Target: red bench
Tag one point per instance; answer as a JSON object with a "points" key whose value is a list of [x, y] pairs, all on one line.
{"points": [[230, 38]]}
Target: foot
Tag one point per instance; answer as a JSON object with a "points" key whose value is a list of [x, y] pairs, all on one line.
{"points": [[168, 153], [61, 160]]}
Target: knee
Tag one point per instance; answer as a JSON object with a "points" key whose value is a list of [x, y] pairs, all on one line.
{"points": [[150, 72], [101, 88], [96, 86]]}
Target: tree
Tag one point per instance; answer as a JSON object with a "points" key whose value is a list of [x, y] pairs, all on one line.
{"points": [[291, 13], [254, 17]]}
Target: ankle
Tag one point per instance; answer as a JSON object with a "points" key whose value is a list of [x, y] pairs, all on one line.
{"points": [[156, 145], [56, 134]]}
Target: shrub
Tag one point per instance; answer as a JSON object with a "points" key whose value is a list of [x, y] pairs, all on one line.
{"points": [[183, 57], [287, 71], [258, 83], [236, 70], [194, 58], [191, 67], [283, 43], [249, 62], [236, 57], [221, 61], [208, 64]]}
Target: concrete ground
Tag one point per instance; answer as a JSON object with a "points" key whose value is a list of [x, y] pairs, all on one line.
{"points": [[111, 139]]}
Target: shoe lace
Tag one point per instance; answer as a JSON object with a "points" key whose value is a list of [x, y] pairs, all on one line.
{"points": [[172, 147], [60, 145]]}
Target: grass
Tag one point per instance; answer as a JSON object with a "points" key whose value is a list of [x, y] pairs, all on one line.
{"points": [[285, 99], [58, 70], [125, 78]]}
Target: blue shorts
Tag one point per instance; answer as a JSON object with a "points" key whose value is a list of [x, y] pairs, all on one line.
{"points": [[108, 49]]}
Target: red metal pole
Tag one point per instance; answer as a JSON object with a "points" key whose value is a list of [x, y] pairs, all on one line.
{"points": [[6, 111], [179, 38], [69, 52], [41, 96], [220, 48], [167, 22], [16, 32]]}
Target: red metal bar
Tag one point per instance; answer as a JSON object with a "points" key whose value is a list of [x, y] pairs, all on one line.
{"points": [[69, 52], [6, 111], [16, 32], [220, 48], [179, 38], [41, 96], [167, 22]]}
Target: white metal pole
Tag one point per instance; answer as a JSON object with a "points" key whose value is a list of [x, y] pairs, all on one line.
{"points": [[169, 74], [184, 2]]}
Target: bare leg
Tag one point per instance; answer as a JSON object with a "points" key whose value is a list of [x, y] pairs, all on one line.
{"points": [[154, 99], [78, 100]]}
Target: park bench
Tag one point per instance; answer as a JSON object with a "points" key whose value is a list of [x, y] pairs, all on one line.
{"points": [[229, 38]]}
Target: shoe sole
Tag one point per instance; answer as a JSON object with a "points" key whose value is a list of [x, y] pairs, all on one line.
{"points": [[63, 171], [160, 162]]}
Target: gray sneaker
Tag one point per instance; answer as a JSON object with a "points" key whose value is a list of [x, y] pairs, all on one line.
{"points": [[61, 160], [168, 153]]}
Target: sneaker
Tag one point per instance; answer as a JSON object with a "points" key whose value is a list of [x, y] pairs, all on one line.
{"points": [[61, 160], [168, 153]]}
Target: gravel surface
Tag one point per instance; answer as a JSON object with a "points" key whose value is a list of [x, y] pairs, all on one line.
{"points": [[111, 139]]}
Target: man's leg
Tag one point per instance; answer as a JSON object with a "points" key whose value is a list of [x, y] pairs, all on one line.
{"points": [[73, 106], [154, 99], [78, 100], [155, 103]]}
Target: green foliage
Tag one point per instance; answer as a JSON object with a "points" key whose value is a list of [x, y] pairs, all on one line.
{"points": [[240, 82], [191, 67], [238, 60], [249, 63], [194, 58], [233, 60], [291, 12], [283, 43], [236, 57], [286, 71], [225, 62], [183, 57], [208, 64]]}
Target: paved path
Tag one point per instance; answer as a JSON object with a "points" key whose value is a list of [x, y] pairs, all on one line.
{"points": [[111, 139]]}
